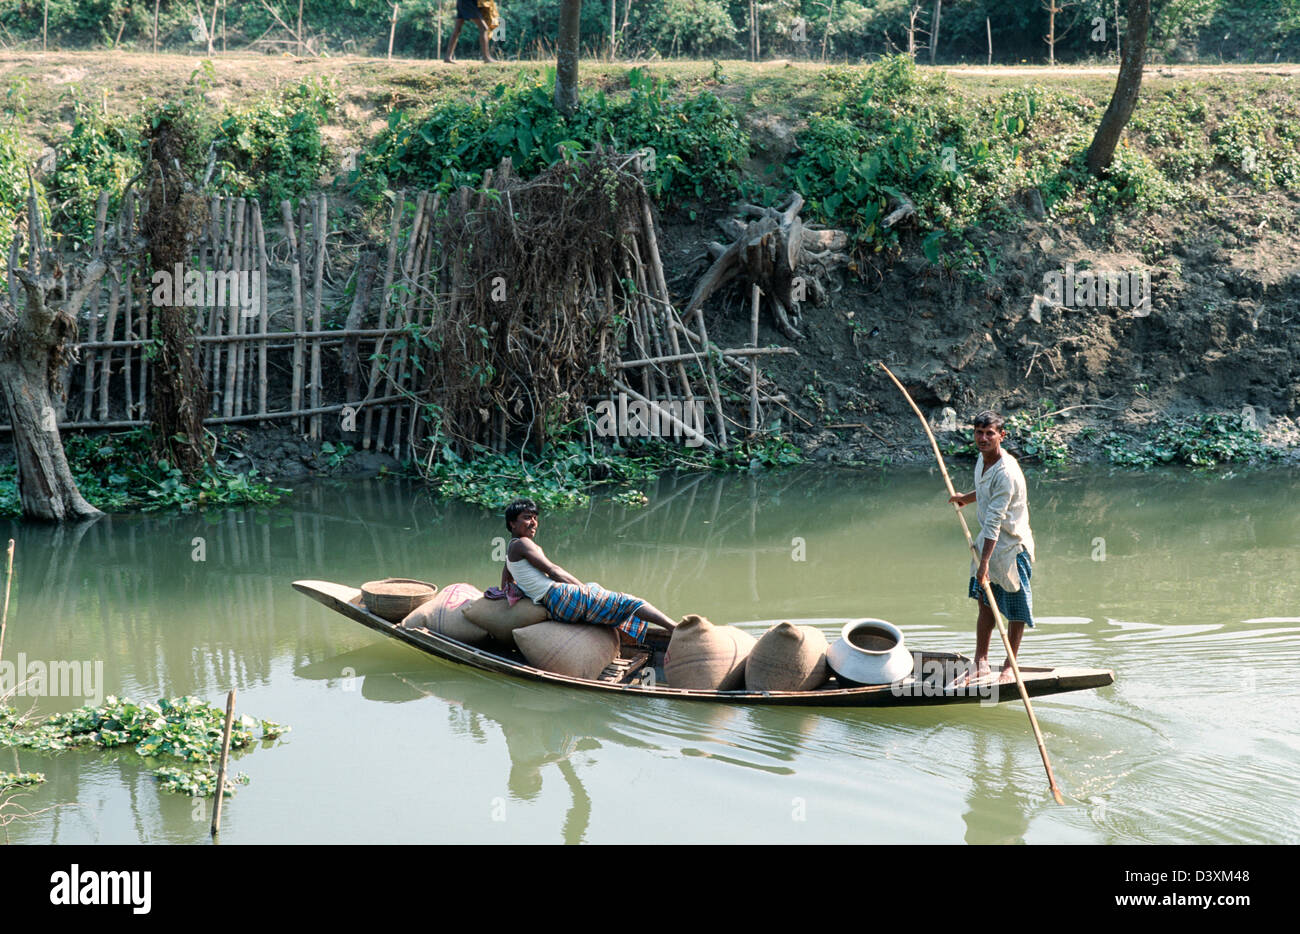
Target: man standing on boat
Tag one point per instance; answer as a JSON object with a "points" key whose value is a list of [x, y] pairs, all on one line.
{"points": [[1005, 541]]}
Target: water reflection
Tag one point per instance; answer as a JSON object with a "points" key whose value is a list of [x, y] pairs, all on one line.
{"points": [[1195, 603]]}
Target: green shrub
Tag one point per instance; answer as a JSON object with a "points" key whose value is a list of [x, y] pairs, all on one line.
{"points": [[274, 147], [698, 142]]}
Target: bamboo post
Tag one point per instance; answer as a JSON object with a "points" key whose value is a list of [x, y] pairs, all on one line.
{"points": [[407, 261], [9, 575], [144, 366], [155, 26], [392, 28], [92, 316], [106, 366], [243, 265], [221, 765], [208, 260], [320, 219], [753, 363], [399, 205], [988, 29], [661, 289], [235, 225], [128, 297], [988, 591], [265, 308], [295, 277]]}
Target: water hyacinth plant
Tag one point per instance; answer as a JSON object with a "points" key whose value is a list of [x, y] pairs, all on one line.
{"points": [[186, 728]]}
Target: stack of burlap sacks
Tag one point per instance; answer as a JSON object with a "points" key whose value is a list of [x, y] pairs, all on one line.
{"points": [[461, 612], [700, 656]]}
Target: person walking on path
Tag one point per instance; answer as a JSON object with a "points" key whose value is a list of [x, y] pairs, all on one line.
{"points": [[469, 10], [1005, 542]]}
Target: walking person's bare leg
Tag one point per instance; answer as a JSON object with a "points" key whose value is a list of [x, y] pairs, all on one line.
{"points": [[450, 57], [483, 40]]}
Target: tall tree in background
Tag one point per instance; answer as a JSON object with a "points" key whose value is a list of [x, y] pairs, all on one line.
{"points": [[1127, 87], [566, 58]]}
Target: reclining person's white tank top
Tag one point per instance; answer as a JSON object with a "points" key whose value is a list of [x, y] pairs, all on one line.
{"points": [[530, 580]]}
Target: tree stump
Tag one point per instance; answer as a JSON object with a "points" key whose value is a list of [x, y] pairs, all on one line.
{"points": [[38, 327], [789, 261]]}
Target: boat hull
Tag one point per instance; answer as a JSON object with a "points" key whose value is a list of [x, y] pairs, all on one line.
{"points": [[917, 693]]}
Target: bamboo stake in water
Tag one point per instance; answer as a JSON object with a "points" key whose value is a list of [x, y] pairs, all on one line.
{"points": [[988, 592], [9, 576], [221, 766]]}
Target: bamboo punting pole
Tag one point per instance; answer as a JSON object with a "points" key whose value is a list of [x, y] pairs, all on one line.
{"points": [[988, 591], [264, 312], [221, 766], [295, 278], [399, 205], [101, 218]]}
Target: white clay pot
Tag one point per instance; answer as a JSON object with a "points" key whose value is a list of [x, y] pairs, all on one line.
{"points": [[869, 651]]}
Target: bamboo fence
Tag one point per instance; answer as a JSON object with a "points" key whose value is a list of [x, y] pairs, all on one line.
{"points": [[303, 348]]}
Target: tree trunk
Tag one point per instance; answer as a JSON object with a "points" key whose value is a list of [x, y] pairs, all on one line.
{"points": [[1127, 87], [934, 32], [35, 342], [566, 59], [45, 483], [171, 220]]}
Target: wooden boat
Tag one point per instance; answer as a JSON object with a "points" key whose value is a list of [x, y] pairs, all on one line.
{"points": [[639, 670]]}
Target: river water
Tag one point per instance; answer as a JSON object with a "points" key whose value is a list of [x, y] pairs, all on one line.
{"points": [[1187, 586]]}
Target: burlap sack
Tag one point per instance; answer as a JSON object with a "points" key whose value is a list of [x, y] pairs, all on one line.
{"points": [[500, 620], [445, 615], [579, 650], [787, 658], [705, 657]]}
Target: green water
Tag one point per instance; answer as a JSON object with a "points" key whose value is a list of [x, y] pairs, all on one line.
{"points": [[1196, 606]]}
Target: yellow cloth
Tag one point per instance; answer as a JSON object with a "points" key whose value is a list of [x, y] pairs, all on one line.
{"points": [[491, 18]]}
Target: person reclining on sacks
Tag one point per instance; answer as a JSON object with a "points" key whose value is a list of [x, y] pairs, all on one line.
{"points": [[563, 596]]}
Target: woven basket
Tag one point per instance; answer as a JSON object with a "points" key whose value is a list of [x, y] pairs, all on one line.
{"points": [[393, 598]]}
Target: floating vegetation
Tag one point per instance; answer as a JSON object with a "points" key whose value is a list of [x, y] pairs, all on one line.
{"points": [[12, 780], [186, 728], [1198, 441]]}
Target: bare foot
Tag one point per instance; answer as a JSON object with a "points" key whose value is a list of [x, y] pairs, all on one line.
{"points": [[1008, 676], [490, 61], [449, 60]]}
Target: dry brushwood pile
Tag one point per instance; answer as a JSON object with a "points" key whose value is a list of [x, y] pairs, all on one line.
{"points": [[554, 298]]}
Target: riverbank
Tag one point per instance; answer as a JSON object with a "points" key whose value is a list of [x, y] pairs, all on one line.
{"points": [[1200, 220]]}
